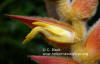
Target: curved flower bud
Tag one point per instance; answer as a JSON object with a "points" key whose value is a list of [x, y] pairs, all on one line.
{"points": [[52, 60], [77, 9], [93, 42], [54, 31]]}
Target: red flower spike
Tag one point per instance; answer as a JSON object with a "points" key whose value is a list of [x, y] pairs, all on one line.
{"points": [[52, 60], [93, 41], [61, 35]]}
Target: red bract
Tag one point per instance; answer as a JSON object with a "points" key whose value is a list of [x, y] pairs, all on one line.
{"points": [[28, 20], [93, 41], [52, 60]]}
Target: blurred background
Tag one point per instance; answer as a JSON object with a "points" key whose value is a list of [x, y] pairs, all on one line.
{"points": [[13, 32]]}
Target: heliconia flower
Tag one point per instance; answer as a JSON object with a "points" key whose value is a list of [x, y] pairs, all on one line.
{"points": [[64, 34], [54, 28], [52, 60], [56, 32]]}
